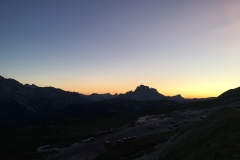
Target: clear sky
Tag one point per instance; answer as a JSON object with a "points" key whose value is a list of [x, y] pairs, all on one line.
{"points": [[187, 47]]}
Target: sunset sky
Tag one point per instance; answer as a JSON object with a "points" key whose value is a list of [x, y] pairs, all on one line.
{"points": [[187, 47]]}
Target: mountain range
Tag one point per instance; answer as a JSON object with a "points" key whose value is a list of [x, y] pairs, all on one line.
{"points": [[57, 98], [28, 104]]}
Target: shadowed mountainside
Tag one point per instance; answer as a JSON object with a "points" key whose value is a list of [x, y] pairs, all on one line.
{"points": [[232, 93], [38, 97]]}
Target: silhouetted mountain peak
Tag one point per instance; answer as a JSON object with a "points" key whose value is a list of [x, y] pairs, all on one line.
{"points": [[143, 93], [178, 95], [177, 98], [142, 87], [146, 89]]}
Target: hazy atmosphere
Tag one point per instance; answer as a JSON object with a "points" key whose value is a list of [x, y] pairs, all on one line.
{"points": [[182, 47]]}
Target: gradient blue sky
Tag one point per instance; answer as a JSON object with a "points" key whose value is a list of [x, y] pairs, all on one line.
{"points": [[191, 47]]}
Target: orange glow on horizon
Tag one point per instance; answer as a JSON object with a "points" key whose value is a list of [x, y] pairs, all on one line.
{"points": [[186, 90], [184, 94]]}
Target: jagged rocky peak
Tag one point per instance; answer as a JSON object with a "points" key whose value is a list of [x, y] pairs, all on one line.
{"points": [[143, 88], [177, 98], [178, 95]]}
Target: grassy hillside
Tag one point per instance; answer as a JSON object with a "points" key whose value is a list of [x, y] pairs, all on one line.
{"points": [[22, 143], [216, 137], [232, 93]]}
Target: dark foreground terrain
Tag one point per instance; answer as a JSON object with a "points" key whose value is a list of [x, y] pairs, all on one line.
{"points": [[49, 123], [161, 141], [216, 137], [220, 127]]}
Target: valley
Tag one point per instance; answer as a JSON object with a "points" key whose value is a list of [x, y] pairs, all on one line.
{"points": [[80, 151]]}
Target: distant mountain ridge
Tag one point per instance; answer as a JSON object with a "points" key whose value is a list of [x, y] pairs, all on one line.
{"points": [[29, 104], [40, 99], [22, 105], [143, 93], [100, 97], [177, 98], [60, 98]]}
